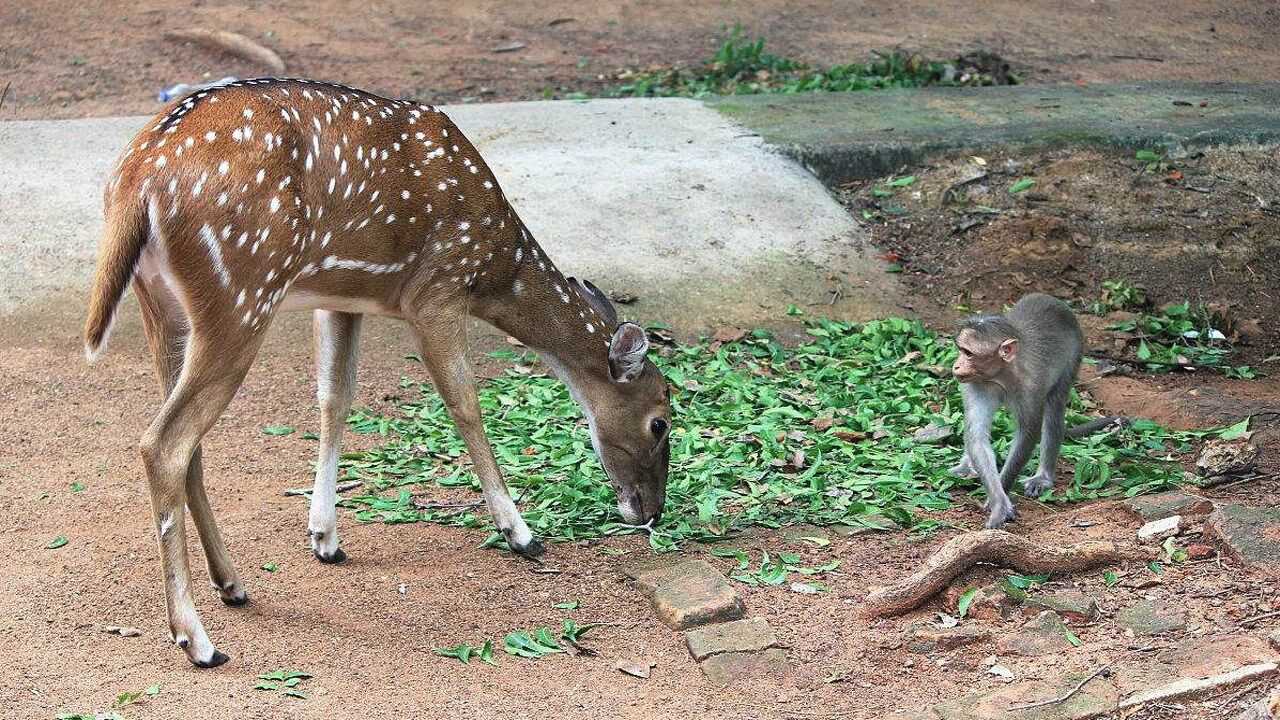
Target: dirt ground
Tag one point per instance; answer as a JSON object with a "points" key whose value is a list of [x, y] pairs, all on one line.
{"points": [[108, 58], [1093, 216], [369, 645]]}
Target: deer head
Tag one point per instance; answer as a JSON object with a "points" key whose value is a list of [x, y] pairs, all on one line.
{"points": [[628, 407]]}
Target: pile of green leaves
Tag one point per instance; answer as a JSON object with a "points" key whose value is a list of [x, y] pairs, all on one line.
{"points": [[1120, 295], [1181, 335], [763, 435], [741, 66]]}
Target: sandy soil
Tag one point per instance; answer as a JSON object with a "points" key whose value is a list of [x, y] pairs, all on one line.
{"points": [[368, 644], [111, 57]]}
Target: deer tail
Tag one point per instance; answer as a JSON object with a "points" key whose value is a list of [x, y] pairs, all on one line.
{"points": [[121, 247]]}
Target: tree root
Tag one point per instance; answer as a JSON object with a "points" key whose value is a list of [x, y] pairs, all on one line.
{"points": [[996, 547], [234, 43]]}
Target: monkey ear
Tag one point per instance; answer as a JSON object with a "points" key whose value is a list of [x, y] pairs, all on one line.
{"points": [[1008, 350], [627, 349], [596, 299]]}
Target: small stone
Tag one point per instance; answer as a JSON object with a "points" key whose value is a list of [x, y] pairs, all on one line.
{"points": [[122, 631], [1152, 617], [689, 593], [1200, 551], [928, 638], [1158, 530], [1070, 604], [1043, 634], [1221, 461], [737, 636], [1274, 640], [737, 667], [636, 668], [991, 602], [1166, 504], [1249, 535]]}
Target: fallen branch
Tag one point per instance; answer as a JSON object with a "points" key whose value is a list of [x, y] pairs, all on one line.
{"points": [[342, 487], [997, 547], [1263, 616], [234, 43], [1065, 696]]}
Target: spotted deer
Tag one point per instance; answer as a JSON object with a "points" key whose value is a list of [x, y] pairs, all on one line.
{"points": [[271, 195]]}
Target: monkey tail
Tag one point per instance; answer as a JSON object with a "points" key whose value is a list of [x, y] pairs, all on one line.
{"points": [[121, 247], [1093, 426]]}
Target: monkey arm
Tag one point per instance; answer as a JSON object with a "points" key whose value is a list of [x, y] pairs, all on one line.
{"points": [[979, 412]]}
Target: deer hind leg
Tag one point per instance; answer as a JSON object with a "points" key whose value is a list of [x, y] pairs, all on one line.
{"points": [[337, 341], [211, 372], [442, 338], [167, 329]]}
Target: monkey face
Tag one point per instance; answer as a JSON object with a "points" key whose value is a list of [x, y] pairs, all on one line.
{"points": [[979, 361]]}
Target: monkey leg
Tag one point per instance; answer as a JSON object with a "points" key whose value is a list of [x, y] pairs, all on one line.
{"points": [[1052, 429]]}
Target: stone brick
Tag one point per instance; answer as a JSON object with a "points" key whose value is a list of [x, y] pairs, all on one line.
{"points": [[928, 639], [1043, 634], [737, 668], [1168, 504], [1069, 604], [751, 635], [1250, 535], [689, 593], [1152, 617]]}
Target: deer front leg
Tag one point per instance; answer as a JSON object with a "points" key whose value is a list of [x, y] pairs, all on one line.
{"points": [[443, 344], [337, 341]]}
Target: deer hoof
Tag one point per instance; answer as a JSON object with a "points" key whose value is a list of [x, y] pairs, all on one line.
{"points": [[333, 558], [234, 600], [530, 550], [217, 658]]}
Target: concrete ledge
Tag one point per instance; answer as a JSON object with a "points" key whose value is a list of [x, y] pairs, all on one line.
{"points": [[846, 136]]}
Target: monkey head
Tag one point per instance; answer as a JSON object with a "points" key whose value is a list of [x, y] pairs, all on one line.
{"points": [[988, 346]]}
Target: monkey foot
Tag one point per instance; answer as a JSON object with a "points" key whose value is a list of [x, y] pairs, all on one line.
{"points": [[1000, 515], [1036, 486]]}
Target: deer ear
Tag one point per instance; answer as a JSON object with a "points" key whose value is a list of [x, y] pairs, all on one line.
{"points": [[626, 352], [1008, 350], [597, 300]]}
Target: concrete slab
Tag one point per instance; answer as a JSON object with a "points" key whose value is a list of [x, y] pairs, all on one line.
{"points": [[845, 136], [664, 199]]}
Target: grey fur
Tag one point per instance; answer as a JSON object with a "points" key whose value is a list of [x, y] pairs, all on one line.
{"points": [[1035, 388]]}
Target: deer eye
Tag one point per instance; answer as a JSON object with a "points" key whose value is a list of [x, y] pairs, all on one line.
{"points": [[658, 427]]}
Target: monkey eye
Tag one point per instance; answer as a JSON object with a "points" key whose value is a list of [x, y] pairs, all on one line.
{"points": [[658, 427]]}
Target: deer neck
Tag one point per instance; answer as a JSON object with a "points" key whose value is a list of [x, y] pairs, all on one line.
{"points": [[538, 306]]}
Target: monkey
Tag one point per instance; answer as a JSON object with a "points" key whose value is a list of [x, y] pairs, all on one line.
{"points": [[1025, 361]]}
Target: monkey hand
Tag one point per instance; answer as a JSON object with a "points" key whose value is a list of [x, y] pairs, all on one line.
{"points": [[1036, 486]]}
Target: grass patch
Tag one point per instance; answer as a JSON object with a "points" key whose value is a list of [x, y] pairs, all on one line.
{"points": [[764, 435], [1181, 335], [741, 66]]}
